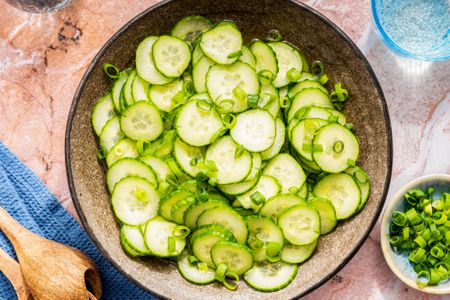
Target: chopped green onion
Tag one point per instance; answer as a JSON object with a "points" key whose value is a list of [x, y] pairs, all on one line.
{"points": [[339, 94], [285, 102], [220, 272], [225, 106], [274, 36], [338, 146], [212, 181], [204, 105], [193, 162], [405, 233], [318, 69], [312, 147], [302, 112], [192, 259], [231, 281], [323, 79], [423, 278], [293, 74], [238, 152], [420, 241], [395, 240], [100, 154], [181, 231], [435, 277], [257, 198], [413, 217], [201, 177], [201, 195], [202, 266], [351, 162], [333, 119], [350, 127], [252, 100], [256, 244], [437, 252], [418, 255], [239, 93], [111, 70], [171, 244], [235, 54], [229, 120], [265, 75], [438, 204], [399, 218]]}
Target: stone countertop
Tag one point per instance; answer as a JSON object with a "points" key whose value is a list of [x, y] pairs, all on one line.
{"points": [[43, 57]]}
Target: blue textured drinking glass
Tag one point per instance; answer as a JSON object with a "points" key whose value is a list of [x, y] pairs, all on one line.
{"points": [[418, 29]]}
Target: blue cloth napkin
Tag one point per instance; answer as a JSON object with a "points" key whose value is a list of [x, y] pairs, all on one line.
{"points": [[27, 199]]}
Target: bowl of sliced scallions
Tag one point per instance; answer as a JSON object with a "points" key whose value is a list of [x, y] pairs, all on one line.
{"points": [[415, 234], [229, 149]]}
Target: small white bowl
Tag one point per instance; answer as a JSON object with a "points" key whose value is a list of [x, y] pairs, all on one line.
{"points": [[398, 263]]}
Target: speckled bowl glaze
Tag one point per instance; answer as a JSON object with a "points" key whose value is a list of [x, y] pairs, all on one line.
{"points": [[320, 40], [399, 263]]}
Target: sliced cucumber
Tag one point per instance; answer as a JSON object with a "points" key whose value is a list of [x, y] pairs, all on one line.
{"points": [[213, 227], [362, 180], [296, 254], [237, 257], [203, 243], [128, 249], [270, 277], [158, 165], [287, 58], [188, 157], [188, 28], [171, 55], [265, 230], [302, 136], [111, 134], [194, 211], [278, 204], [180, 208], [247, 57], [141, 121], [254, 130], [192, 273], [129, 167], [315, 112], [304, 192], [300, 224], [127, 88], [266, 187], [125, 148], [134, 238], [305, 84], [197, 125], [327, 214], [134, 200], [139, 89], [269, 99], [196, 54], [117, 89], [280, 136], [222, 80], [163, 96], [229, 168], [309, 97], [250, 180], [145, 66], [339, 147], [199, 72], [265, 57], [222, 43], [165, 208], [158, 236], [228, 218], [342, 191], [102, 112], [287, 171]]}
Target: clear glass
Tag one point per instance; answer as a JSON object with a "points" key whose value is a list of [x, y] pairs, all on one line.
{"points": [[39, 6], [418, 29]]}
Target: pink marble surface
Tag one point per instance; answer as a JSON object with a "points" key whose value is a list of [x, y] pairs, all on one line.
{"points": [[42, 58]]}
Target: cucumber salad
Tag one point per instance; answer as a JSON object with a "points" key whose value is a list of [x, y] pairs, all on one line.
{"points": [[231, 159]]}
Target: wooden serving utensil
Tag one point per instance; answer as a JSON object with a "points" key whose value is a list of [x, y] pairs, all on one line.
{"points": [[51, 270], [11, 269]]}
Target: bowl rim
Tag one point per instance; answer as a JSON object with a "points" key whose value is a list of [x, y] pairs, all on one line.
{"points": [[135, 19], [385, 247]]}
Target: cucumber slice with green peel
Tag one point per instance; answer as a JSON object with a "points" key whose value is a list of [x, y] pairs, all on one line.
{"points": [[229, 168], [198, 123], [127, 88], [192, 273], [310, 166], [254, 130], [280, 136], [362, 180], [213, 228], [134, 200], [215, 195], [287, 58], [199, 72], [203, 243], [339, 147], [129, 167], [271, 276], [145, 65], [309, 97], [165, 207], [165, 97], [266, 188], [129, 250], [269, 99], [180, 208], [265, 230], [222, 80], [102, 112], [228, 218], [305, 84], [116, 91], [236, 257], [171, 55], [256, 166], [139, 89], [196, 54], [327, 214], [194, 211], [315, 112], [303, 134], [222, 43], [296, 254], [141, 121], [188, 28], [307, 76], [111, 134], [300, 224], [247, 57], [278, 204], [201, 96], [287, 171], [160, 239], [342, 191], [134, 238], [125, 148], [265, 57], [188, 157], [304, 192], [158, 165]]}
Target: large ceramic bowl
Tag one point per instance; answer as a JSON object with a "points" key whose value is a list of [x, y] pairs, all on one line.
{"points": [[320, 39]]}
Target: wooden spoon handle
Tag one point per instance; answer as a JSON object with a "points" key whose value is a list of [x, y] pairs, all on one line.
{"points": [[11, 269], [11, 228]]}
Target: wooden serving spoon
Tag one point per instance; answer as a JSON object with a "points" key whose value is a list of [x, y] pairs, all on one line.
{"points": [[51, 270], [11, 269]]}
